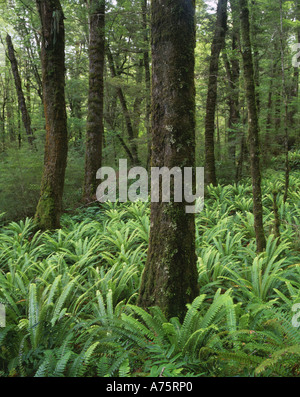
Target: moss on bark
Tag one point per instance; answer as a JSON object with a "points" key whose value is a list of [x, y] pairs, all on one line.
{"points": [[95, 128], [170, 276], [253, 126], [53, 75]]}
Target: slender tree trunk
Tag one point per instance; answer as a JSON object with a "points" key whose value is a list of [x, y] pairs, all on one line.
{"points": [[253, 133], [10, 100], [147, 80], [267, 146], [295, 84], [130, 131], [285, 102], [75, 98], [276, 227], [211, 101], [95, 128], [240, 162], [232, 67], [138, 101], [53, 76], [110, 118], [267, 140], [18, 84], [170, 276], [234, 119], [254, 33], [2, 124]]}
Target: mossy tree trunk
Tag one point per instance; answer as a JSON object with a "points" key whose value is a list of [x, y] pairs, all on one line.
{"points": [[295, 82], [95, 128], [253, 127], [170, 276], [53, 77], [286, 107], [146, 57], [211, 101]]}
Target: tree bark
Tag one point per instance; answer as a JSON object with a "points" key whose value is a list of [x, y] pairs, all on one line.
{"points": [[95, 127], [285, 102], [211, 101], [295, 84], [53, 77], [146, 58], [18, 84], [170, 276], [232, 67], [253, 127]]}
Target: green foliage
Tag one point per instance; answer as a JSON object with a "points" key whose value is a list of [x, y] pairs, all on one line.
{"points": [[70, 295], [20, 178]]}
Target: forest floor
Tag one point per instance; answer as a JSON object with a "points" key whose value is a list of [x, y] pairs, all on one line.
{"points": [[70, 295]]}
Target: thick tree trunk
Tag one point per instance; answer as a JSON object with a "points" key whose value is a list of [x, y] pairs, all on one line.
{"points": [[170, 276], [95, 128], [18, 84], [253, 133], [53, 76], [211, 101]]}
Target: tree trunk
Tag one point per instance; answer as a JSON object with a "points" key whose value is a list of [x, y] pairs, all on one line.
{"points": [[95, 128], [10, 100], [267, 145], [295, 85], [53, 76], [75, 98], [147, 80], [253, 132], [211, 101], [130, 131], [138, 100], [170, 276], [18, 84], [285, 102], [232, 67]]}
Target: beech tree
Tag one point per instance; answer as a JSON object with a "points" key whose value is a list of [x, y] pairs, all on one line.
{"points": [[53, 77], [170, 276], [211, 101], [232, 67], [95, 127], [253, 126]]}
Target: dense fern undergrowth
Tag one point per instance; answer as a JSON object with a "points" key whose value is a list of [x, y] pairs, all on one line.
{"points": [[70, 295]]}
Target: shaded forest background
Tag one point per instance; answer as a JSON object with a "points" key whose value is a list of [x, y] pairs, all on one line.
{"points": [[127, 94]]}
